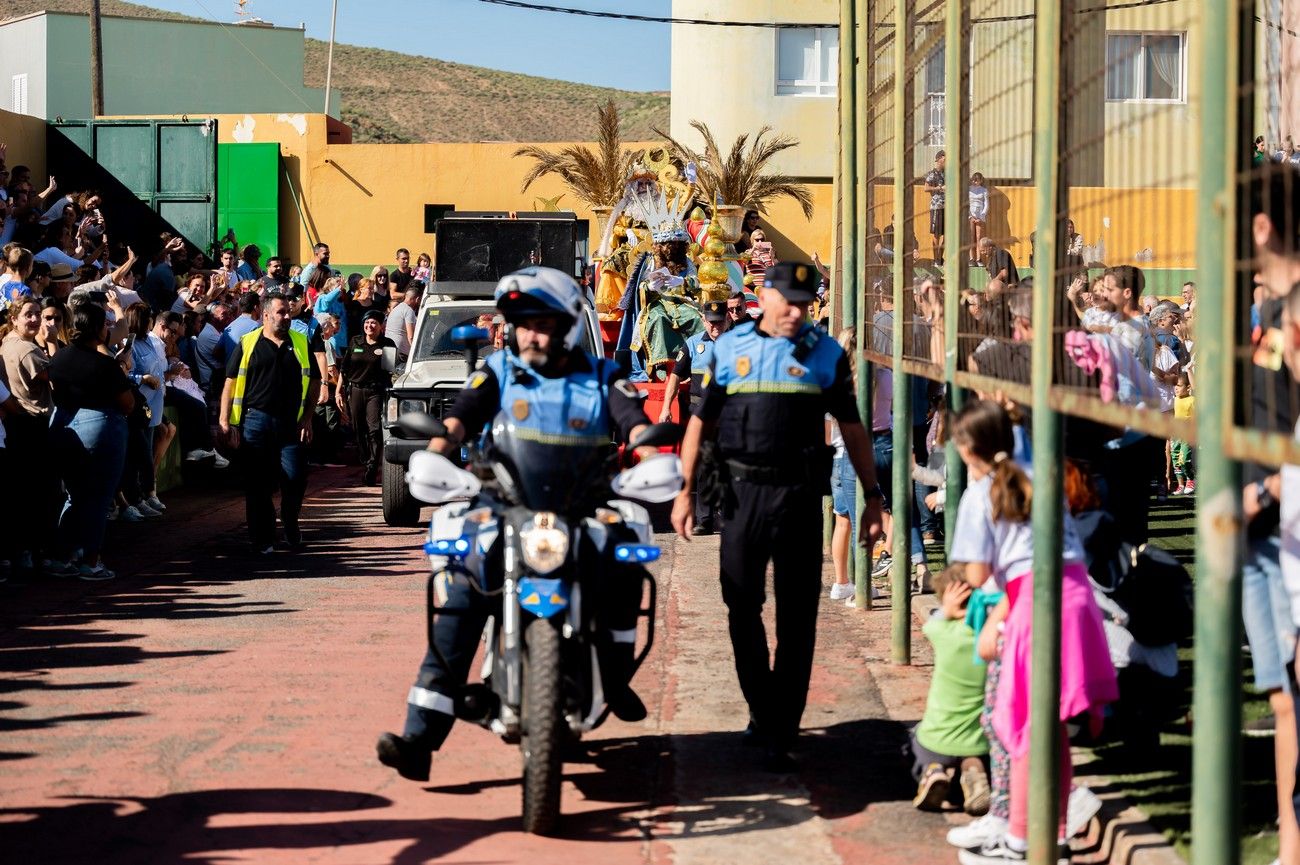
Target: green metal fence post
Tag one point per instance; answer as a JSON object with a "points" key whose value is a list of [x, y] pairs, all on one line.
{"points": [[956, 113], [850, 264], [863, 36], [901, 488], [848, 165], [1216, 693], [1045, 685]]}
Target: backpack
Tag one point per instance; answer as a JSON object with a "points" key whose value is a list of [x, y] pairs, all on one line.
{"points": [[1150, 584]]}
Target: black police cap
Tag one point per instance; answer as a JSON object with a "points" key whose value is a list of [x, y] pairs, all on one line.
{"points": [[796, 281], [715, 310]]}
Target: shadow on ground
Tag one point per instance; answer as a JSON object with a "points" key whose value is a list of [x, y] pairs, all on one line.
{"points": [[635, 782]]}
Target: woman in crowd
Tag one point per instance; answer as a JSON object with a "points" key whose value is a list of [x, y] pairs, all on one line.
{"points": [[362, 301], [26, 373], [92, 398], [52, 333], [843, 489], [994, 538], [39, 279], [148, 367], [380, 289], [183, 395], [365, 382], [747, 228]]}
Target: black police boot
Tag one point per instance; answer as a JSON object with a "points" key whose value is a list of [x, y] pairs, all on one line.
{"points": [[410, 758], [752, 737], [616, 673]]}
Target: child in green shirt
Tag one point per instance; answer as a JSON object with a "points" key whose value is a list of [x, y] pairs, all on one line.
{"points": [[949, 738]]}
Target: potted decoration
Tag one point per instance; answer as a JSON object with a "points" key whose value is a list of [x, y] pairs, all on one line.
{"points": [[739, 181], [594, 177]]}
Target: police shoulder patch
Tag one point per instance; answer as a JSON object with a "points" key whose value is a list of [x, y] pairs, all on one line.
{"points": [[796, 371], [742, 365], [699, 349], [520, 409], [478, 379]]}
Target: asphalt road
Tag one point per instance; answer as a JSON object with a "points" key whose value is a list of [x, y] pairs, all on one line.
{"points": [[213, 707]]}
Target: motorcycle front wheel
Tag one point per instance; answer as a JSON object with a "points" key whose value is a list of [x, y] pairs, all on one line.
{"points": [[543, 727]]}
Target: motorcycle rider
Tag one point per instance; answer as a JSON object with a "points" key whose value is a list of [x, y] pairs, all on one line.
{"points": [[546, 382]]}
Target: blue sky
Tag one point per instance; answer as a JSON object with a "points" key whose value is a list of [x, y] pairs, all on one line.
{"points": [[611, 53]]}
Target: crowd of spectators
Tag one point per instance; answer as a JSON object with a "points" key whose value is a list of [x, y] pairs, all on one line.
{"points": [[1120, 343], [108, 357]]}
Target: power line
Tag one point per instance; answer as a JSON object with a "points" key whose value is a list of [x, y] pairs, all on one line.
{"points": [[705, 22], [652, 19]]}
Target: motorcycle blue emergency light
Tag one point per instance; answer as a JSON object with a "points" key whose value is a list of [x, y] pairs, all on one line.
{"points": [[454, 548], [467, 333], [640, 553]]}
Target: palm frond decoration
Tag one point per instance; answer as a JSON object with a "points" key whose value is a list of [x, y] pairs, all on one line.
{"points": [[740, 177], [595, 177]]}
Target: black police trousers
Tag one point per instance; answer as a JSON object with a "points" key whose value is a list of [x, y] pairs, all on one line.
{"points": [[430, 707], [783, 525]]}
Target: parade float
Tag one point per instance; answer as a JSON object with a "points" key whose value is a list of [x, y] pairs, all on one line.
{"points": [[667, 219]]}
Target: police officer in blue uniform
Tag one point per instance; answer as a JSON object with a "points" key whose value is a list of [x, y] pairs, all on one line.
{"points": [[695, 360], [771, 385], [557, 395]]}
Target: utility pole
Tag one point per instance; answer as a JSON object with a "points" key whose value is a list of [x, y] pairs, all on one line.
{"points": [[96, 63], [329, 60]]}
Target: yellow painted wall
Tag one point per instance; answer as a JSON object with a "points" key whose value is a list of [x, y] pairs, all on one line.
{"points": [[366, 200], [25, 136], [1163, 220]]}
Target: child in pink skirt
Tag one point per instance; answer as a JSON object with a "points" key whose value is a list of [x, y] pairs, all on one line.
{"points": [[995, 537]]}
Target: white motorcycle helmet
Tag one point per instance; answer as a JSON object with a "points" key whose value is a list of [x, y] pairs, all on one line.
{"points": [[535, 291]]}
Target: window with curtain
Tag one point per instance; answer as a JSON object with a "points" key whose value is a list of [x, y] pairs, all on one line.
{"points": [[807, 61], [1145, 67]]}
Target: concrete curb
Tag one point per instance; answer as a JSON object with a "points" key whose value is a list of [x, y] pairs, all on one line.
{"points": [[1120, 833]]}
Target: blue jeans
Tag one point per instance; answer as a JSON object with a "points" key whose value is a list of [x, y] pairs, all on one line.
{"points": [[1266, 611], [883, 446], [273, 457], [92, 447]]}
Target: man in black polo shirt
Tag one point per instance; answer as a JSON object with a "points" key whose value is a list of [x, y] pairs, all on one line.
{"points": [[271, 375]]}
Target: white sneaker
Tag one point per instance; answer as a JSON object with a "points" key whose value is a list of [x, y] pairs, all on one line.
{"points": [[219, 462], [840, 591], [154, 503], [1080, 810], [977, 832], [131, 514], [996, 852], [144, 510], [199, 454]]}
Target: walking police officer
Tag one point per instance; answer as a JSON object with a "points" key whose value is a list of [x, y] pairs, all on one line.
{"points": [[771, 385], [695, 361]]}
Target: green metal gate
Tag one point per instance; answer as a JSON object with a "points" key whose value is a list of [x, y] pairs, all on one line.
{"points": [[168, 166], [248, 194]]}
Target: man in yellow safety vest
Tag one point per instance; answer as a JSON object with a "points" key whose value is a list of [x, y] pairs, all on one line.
{"points": [[269, 377]]}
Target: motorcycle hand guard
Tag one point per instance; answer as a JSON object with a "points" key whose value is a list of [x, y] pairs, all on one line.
{"points": [[657, 479], [434, 479]]}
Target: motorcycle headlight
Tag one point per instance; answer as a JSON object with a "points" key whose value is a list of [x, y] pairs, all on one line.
{"points": [[544, 541]]}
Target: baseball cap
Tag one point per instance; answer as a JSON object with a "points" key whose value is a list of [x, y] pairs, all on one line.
{"points": [[61, 273], [715, 311], [795, 281]]}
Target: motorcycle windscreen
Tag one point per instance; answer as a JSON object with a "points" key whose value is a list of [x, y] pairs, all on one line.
{"points": [[551, 473]]}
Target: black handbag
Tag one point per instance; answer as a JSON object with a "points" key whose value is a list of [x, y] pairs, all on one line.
{"points": [[1156, 591]]}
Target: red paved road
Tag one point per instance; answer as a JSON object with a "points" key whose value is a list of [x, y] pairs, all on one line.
{"points": [[209, 707]]}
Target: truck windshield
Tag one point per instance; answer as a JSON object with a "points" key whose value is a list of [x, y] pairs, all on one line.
{"points": [[439, 322]]}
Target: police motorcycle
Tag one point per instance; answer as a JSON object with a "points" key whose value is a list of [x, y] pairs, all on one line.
{"points": [[561, 521]]}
